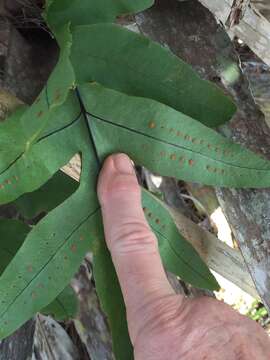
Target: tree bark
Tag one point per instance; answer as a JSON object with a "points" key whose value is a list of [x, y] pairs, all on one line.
{"points": [[24, 67], [244, 20], [19, 346]]}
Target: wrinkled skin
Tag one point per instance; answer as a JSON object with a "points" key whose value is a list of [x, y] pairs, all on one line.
{"points": [[164, 325]]}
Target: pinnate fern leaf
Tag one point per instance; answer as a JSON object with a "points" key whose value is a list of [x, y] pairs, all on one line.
{"points": [[111, 91]]}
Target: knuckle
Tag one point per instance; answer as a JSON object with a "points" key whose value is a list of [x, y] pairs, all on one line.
{"points": [[133, 237]]}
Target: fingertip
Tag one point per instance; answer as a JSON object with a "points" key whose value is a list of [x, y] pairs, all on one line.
{"points": [[117, 174], [123, 164]]}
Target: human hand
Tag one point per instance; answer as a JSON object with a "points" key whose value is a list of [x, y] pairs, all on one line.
{"points": [[163, 325]]}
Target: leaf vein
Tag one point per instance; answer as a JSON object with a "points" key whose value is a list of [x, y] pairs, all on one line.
{"points": [[50, 259]]}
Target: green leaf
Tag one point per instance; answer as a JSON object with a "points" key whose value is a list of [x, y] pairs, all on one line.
{"points": [[49, 196], [51, 253], [47, 5], [55, 93], [128, 62], [62, 78], [111, 300], [40, 162], [178, 255], [84, 12], [29, 124], [12, 139], [12, 236], [64, 307], [169, 143]]}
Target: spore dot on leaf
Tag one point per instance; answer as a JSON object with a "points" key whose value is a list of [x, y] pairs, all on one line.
{"points": [[73, 248]]}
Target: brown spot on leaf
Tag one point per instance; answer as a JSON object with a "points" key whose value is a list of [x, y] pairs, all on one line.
{"points": [[57, 96], [73, 248], [191, 162], [157, 221], [40, 113], [173, 157], [34, 295], [30, 268], [151, 125]]}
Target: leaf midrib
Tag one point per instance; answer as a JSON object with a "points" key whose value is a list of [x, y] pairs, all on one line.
{"points": [[175, 145]]}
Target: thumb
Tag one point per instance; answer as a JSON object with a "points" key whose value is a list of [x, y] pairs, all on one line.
{"points": [[132, 244]]}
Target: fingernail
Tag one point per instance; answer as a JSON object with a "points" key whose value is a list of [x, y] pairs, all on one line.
{"points": [[123, 164]]}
